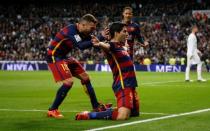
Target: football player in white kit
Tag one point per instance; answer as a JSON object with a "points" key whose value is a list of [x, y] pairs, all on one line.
{"points": [[193, 56]]}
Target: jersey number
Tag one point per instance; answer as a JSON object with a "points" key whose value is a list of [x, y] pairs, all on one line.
{"points": [[65, 67]]}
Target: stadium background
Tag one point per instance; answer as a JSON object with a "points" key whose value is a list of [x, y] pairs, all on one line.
{"points": [[28, 26]]}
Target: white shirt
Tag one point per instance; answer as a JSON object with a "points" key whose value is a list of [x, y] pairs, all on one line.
{"points": [[192, 45]]}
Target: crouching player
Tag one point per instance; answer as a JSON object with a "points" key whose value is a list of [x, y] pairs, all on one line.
{"points": [[64, 68], [124, 77]]}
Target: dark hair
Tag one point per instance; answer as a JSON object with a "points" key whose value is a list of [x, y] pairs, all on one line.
{"points": [[115, 27], [88, 18], [127, 8]]}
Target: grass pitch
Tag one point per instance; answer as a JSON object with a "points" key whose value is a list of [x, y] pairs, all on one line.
{"points": [[26, 96]]}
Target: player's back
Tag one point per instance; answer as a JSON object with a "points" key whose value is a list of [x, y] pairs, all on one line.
{"points": [[62, 44]]}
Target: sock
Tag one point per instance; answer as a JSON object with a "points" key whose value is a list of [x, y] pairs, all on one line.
{"points": [[91, 93], [108, 114], [199, 66], [187, 73], [61, 94]]}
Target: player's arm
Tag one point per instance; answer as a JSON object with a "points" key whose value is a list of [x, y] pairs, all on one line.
{"points": [[102, 45], [104, 35], [84, 44], [140, 38], [80, 43], [87, 43]]}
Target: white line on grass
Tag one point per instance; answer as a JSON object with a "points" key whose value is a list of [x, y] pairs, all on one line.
{"points": [[165, 82], [160, 82], [150, 120], [36, 110]]}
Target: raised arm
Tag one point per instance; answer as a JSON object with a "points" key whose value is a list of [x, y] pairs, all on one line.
{"points": [[140, 38]]}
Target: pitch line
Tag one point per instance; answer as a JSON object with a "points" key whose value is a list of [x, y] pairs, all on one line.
{"points": [[36, 110], [150, 120], [165, 82]]}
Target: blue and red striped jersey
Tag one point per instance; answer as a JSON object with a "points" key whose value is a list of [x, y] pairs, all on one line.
{"points": [[122, 67], [64, 41], [134, 33]]}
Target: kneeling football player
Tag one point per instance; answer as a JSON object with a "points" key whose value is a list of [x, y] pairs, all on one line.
{"points": [[125, 83]]}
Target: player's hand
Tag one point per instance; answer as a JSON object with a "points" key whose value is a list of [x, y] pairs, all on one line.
{"points": [[95, 41], [126, 47], [105, 33], [200, 54], [146, 43]]}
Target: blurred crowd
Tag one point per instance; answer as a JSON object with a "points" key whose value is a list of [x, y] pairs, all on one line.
{"points": [[25, 31]]}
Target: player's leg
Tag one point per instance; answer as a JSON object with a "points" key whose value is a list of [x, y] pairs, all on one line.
{"points": [[136, 105], [78, 71], [61, 93], [89, 90], [122, 112], [109, 114], [187, 71], [61, 73], [125, 103], [199, 68]]}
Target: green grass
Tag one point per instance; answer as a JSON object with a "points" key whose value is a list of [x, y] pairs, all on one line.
{"points": [[159, 93]]}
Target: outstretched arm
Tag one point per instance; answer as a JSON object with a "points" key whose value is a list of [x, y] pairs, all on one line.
{"points": [[84, 45], [102, 45]]}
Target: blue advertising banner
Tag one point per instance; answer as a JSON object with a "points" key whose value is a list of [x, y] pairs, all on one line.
{"points": [[23, 65], [42, 65]]}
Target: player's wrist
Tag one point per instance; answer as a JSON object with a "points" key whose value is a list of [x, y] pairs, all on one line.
{"points": [[100, 43]]}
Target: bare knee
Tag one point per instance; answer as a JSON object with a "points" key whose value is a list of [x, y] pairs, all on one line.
{"points": [[123, 113], [122, 117], [68, 82]]}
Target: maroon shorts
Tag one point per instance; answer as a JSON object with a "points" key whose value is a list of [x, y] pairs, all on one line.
{"points": [[128, 98], [65, 69]]}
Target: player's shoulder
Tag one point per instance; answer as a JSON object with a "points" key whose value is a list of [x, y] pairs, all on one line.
{"points": [[135, 24], [112, 46], [192, 36], [69, 29], [72, 28]]}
